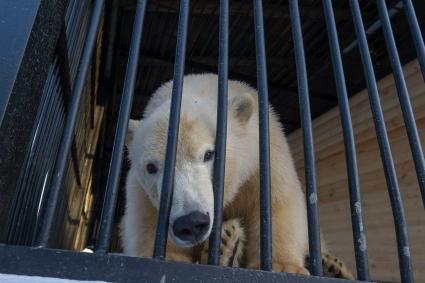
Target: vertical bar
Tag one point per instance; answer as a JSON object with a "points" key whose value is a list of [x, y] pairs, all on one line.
{"points": [[18, 211], [111, 194], [173, 132], [384, 146], [220, 138], [310, 171], [43, 235], [403, 95], [64, 70], [263, 105], [416, 33], [359, 238]]}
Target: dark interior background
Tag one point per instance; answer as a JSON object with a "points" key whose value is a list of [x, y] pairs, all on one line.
{"points": [[159, 38]]}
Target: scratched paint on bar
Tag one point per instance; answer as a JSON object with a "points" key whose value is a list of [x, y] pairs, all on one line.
{"points": [[359, 238], [310, 172], [111, 194], [406, 107], [68, 133], [173, 132], [220, 148], [387, 160], [263, 103]]}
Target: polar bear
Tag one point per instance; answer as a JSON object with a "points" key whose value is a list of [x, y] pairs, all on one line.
{"points": [[192, 208]]}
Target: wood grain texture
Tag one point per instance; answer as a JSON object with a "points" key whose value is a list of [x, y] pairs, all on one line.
{"points": [[332, 178]]}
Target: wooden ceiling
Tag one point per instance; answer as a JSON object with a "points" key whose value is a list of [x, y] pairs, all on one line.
{"points": [[159, 39]]}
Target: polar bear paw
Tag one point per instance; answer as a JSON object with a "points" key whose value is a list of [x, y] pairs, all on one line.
{"points": [[289, 267], [232, 244], [334, 267]]}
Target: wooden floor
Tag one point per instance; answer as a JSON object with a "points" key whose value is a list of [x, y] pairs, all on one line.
{"points": [[332, 178]]}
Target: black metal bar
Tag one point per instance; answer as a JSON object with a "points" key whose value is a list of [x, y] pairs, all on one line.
{"points": [[55, 138], [403, 96], [40, 137], [17, 207], [374, 27], [173, 132], [221, 134], [384, 146], [111, 194], [68, 133], [40, 164], [359, 238], [416, 34], [263, 105], [310, 171], [77, 36], [370, 30], [51, 152], [93, 82], [64, 63], [116, 268]]}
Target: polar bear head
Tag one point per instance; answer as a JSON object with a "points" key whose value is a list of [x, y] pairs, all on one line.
{"points": [[192, 208]]}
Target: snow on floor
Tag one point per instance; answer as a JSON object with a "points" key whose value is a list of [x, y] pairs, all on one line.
{"points": [[10, 278]]}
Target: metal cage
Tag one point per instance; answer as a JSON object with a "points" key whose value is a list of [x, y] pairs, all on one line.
{"points": [[63, 115]]}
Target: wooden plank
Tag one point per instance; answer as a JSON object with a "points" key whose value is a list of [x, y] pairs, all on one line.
{"points": [[331, 132], [328, 125], [333, 186]]}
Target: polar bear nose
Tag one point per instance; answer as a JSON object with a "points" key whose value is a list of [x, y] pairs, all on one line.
{"points": [[192, 226]]}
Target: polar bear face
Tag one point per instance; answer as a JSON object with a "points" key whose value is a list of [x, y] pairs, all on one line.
{"points": [[192, 210]]}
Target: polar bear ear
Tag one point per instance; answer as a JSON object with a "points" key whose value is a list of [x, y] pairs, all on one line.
{"points": [[242, 107], [132, 126]]}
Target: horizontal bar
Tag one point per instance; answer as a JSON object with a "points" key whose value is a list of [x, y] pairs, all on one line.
{"points": [[116, 268], [221, 134], [173, 133], [310, 171], [416, 33], [384, 146], [43, 235], [371, 29], [403, 95], [359, 238], [112, 186], [264, 134]]}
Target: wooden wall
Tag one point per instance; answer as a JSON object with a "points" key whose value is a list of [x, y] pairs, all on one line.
{"points": [[332, 178]]}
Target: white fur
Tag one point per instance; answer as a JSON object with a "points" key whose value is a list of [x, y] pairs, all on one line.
{"points": [[193, 186], [193, 177]]}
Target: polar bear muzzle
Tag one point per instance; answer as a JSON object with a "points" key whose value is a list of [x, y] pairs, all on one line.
{"points": [[192, 228]]}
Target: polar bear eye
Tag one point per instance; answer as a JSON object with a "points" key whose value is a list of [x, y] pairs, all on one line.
{"points": [[152, 169], [209, 154]]}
